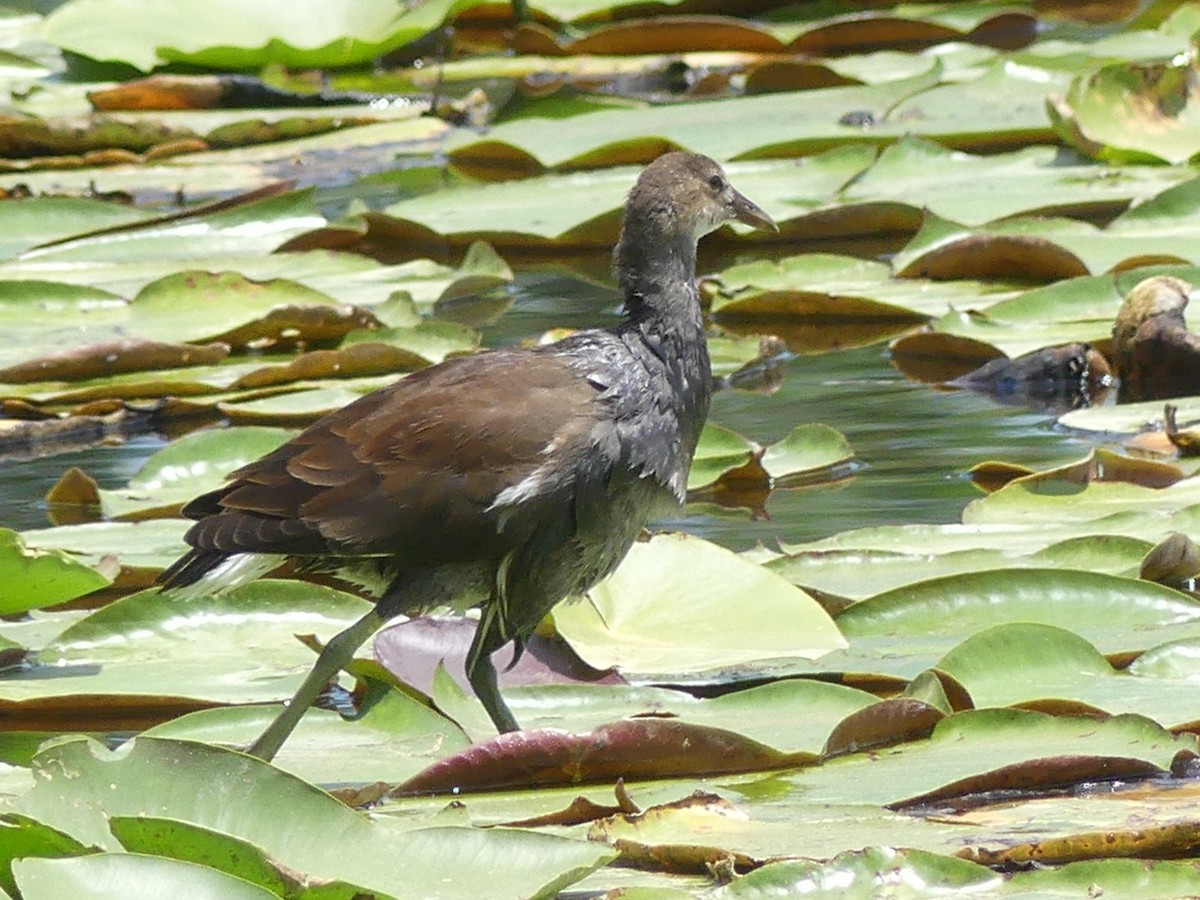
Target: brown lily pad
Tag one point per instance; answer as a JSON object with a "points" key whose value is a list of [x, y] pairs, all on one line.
{"points": [[1037, 775], [934, 357], [1016, 257], [639, 837], [1155, 354], [887, 722], [1154, 842], [630, 749], [112, 358]]}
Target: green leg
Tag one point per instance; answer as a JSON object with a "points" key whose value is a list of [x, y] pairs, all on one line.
{"points": [[335, 656], [482, 675]]}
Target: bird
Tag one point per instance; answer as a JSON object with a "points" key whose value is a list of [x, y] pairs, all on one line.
{"points": [[508, 479]]}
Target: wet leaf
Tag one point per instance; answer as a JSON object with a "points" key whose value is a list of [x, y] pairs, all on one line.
{"points": [[1051, 669], [187, 653], [960, 604], [41, 220], [186, 468], [391, 738], [1038, 180], [150, 546], [719, 451]]}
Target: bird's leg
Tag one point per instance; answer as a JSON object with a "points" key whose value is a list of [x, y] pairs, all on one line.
{"points": [[334, 657], [482, 674]]}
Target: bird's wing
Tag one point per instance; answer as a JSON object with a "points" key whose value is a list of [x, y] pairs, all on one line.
{"points": [[416, 467]]}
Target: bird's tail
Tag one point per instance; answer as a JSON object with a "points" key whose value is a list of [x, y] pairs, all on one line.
{"points": [[199, 572]]}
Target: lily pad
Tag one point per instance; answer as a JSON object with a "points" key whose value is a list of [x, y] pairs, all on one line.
{"points": [[174, 779], [34, 578], [128, 875], [634, 619], [195, 463], [1136, 612], [319, 35], [1133, 109], [1051, 669], [995, 749]]}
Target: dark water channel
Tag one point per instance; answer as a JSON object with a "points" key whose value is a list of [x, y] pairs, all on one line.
{"points": [[915, 444]]}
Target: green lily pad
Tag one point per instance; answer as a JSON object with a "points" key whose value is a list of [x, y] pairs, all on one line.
{"points": [[719, 451], [196, 463], [863, 872], [665, 609], [1136, 613], [24, 838], [514, 213], [1054, 669], [991, 749], [33, 578], [109, 876], [237, 647], [318, 35], [1132, 109], [805, 449], [392, 739], [40, 220], [346, 277], [860, 573], [963, 187], [173, 780], [245, 229], [1106, 504]]}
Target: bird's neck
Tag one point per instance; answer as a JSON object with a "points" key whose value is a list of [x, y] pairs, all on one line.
{"points": [[662, 302], [657, 277]]}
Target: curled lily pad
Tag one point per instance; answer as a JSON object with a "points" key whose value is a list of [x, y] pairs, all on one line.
{"points": [[1133, 109]]}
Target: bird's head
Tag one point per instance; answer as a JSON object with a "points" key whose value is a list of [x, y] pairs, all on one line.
{"points": [[688, 195], [678, 198]]}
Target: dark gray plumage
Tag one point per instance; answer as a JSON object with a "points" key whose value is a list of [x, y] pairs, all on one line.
{"points": [[512, 477]]}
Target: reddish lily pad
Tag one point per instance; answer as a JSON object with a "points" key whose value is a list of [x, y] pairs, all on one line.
{"points": [[632, 749]]}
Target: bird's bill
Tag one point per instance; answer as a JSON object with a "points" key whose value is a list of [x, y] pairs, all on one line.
{"points": [[750, 213]]}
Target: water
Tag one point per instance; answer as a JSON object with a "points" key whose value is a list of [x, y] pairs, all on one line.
{"points": [[915, 444]]}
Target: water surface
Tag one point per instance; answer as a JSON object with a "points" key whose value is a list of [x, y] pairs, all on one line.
{"points": [[915, 444]]}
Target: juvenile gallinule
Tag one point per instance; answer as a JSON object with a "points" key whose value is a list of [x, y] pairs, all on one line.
{"points": [[510, 478]]}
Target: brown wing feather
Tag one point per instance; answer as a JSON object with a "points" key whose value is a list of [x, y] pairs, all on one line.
{"points": [[410, 469]]}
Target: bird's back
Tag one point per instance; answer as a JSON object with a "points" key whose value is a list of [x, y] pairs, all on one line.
{"points": [[553, 457]]}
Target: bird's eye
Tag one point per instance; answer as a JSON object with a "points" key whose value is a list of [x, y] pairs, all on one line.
{"points": [[716, 183]]}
